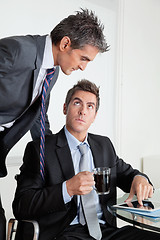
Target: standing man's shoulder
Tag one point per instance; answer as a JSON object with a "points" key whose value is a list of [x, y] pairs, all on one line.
{"points": [[21, 38], [15, 43], [21, 48]]}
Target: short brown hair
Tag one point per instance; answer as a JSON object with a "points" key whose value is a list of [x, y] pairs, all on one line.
{"points": [[83, 85]]}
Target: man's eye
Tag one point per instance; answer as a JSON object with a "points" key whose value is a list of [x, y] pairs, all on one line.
{"points": [[90, 106], [76, 103], [83, 59]]}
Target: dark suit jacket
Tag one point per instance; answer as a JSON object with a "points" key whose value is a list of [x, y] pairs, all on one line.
{"points": [[20, 61], [43, 201]]}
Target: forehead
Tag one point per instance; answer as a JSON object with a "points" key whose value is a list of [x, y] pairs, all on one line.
{"points": [[88, 51], [84, 96]]}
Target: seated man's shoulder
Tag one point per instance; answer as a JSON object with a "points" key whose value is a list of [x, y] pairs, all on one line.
{"points": [[99, 138]]}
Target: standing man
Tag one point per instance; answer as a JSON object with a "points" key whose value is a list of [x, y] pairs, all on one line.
{"points": [[56, 203], [24, 62]]}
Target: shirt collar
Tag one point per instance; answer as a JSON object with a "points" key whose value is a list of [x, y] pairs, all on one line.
{"points": [[72, 141], [48, 61]]}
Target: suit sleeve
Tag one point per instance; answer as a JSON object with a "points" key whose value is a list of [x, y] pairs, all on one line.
{"points": [[126, 174], [6, 58], [123, 173], [33, 197]]}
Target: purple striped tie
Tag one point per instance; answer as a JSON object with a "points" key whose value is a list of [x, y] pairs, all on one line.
{"points": [[46, 83]]}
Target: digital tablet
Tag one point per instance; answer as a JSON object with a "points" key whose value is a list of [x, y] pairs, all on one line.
{"points": [[148, 206]]}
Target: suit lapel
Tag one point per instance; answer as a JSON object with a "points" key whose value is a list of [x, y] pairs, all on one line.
{"points": [[64, 155], [96, 152], [40, 51], [99, 161]]}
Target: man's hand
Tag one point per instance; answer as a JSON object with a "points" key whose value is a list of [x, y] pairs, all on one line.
{"points": [[141, 187], [80, 184]]}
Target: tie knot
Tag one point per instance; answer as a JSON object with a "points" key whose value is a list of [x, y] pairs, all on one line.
{"points": [[83, 148], [50, 71]]}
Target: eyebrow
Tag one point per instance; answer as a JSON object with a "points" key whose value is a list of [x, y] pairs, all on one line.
{"points": [[87, 58]]}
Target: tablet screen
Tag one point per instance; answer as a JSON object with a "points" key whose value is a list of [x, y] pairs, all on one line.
{"points": [[134, 205], [147, 205]]}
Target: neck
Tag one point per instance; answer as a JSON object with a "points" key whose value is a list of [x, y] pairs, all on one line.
{"points": [[80, 136], [55, 53]]}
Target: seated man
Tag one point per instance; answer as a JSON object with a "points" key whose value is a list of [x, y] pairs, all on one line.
{"points": [[56, 202]]}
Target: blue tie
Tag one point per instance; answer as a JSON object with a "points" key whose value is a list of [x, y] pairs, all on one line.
{"points": [[46, 83]]}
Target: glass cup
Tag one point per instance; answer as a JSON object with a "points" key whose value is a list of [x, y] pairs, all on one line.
{"points": [[102, 177]]}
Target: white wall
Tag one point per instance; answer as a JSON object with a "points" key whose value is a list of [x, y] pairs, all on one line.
{"points": [[138, 80], [21, 17]]}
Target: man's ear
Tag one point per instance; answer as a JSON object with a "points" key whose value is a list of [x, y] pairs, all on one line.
{"points": [[65, 109], [65, 43]]}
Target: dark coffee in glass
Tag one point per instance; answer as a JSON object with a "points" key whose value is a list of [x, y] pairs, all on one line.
{"points": [[102, 180]]}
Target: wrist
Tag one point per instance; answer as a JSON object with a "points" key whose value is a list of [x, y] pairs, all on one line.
{"points": [[68, 188]]}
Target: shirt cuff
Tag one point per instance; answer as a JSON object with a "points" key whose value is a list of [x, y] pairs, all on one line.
{"points": [[66, 196]]}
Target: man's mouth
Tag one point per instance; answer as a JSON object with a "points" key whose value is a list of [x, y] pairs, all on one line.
{"points": [[80, 120], [74, 69]]}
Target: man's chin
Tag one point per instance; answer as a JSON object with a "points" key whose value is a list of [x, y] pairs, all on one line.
{"points": [[67, 72]]}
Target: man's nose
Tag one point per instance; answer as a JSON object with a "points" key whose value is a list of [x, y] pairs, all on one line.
{"points": [[82, 66], [82, 110]]}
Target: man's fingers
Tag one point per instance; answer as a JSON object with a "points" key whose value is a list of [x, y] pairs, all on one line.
{"points": [[141, 187], [130, 197], [151, 192], [144, 192], [140, 194]]}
